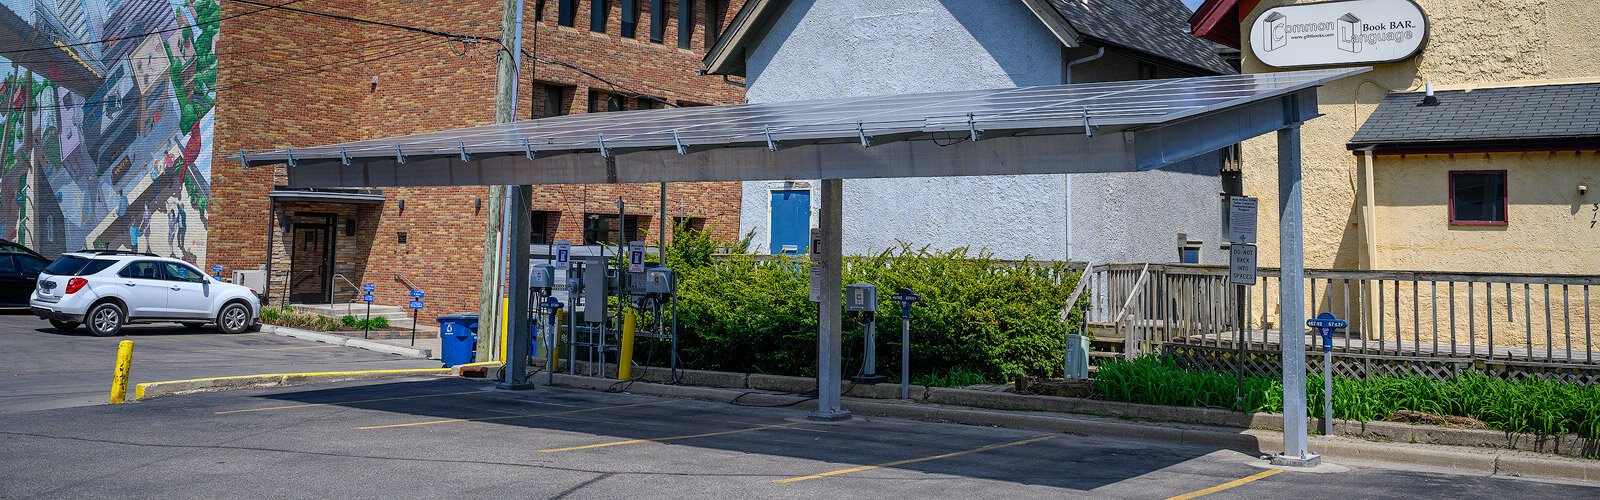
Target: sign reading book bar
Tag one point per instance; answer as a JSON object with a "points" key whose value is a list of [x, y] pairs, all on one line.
{"points": [[1339, 33]]}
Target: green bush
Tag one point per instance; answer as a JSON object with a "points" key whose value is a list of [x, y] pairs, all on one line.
{"points": [[1536, 406], [349, 321], [378, 323], [979, 316]]}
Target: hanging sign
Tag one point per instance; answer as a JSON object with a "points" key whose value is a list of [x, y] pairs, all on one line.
{"points": [[563, 255], [1241, 219], [1241, 264], [1339, 33], [636, 256]]}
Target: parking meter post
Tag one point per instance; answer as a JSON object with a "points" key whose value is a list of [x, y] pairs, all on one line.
{"points": [[366, 325], [413, 327], [1327, 382], [905, 353], [1238, 394]]}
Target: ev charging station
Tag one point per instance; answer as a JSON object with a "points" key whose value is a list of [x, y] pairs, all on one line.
{"points": [[1124, 126]]}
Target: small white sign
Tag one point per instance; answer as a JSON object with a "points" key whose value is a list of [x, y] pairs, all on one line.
{"points": [[636, 256], [1241, 219], [1241, 264], [816, 284], [563, 254], [1339, 33]]}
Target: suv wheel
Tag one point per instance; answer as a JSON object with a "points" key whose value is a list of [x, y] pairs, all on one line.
{"points": [[105, 319], [65, 326], [234, 318]]}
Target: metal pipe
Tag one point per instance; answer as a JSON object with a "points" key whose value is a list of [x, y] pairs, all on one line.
{"points": [[1066, 71]]}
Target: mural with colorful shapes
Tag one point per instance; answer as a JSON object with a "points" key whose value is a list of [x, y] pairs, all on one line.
{"points": [[106, 124]]}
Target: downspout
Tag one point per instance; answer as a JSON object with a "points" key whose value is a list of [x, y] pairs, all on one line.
{"points": [[1066, 77]]}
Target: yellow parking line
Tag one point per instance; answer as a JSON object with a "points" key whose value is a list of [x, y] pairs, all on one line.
{"points": [[914, 460], [270, 348], [524, 415], [1230, 484], [660, 439], [307, 405]]}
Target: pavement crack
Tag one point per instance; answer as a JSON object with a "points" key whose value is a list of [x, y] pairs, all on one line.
{"points": [[581, 485]]}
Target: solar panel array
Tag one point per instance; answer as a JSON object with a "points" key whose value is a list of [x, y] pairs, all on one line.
{"points": [[874, 119]]}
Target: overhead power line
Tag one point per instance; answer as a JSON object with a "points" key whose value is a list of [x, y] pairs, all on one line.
{"points": [[142, 35]]}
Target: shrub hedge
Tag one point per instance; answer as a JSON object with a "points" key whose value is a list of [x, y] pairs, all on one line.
{"points": [[1536, 406], [980, 317]]}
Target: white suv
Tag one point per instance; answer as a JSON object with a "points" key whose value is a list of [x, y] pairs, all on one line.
{"points": [[106, 290]]}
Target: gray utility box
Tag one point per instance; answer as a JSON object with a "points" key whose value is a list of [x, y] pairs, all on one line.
{"points": [[861, 297], [596, 288], [542, 276], [659, 281], [1077, 362]]}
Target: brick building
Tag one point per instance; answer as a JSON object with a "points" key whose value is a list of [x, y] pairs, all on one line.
{"points": [[289, 78]]}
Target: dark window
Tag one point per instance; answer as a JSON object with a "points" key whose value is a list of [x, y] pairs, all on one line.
{"points": [[6, 266], [694, 224], [1189, 255], [400, 237], [544, 226], [602, 102], [349, 227], [630, 18], [1147, 71], [602, 228], [31, 265], [179, 272], [67, 265], [685, 23], [647, 102], [713, 21], [143, 269], [1478, 197], [599, 10], [658, 20], [689, 104], [95, 266], [555, 101], [566, 12]]}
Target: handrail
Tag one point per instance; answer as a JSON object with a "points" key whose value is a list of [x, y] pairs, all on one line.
{"points": [[1077, 291], [346, 281], [1128, 346], [402, 280]]}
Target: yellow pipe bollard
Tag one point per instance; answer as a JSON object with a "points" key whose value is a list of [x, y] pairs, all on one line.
{"points": [[561, 325], [625, 351], [505, 327], [119, 380]]}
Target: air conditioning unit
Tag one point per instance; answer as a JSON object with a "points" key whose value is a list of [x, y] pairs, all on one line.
{"points": [[254, 280]]}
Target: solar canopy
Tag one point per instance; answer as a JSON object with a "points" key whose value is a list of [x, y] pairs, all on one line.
{"points": [[1090, 127]]}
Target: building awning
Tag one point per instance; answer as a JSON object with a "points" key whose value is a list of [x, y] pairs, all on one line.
{"points": [[1551, 117], [327, 195], [1079, 128]]}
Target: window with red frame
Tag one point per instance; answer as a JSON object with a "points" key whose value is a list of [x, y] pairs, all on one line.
{"points": [[1478, 197]]}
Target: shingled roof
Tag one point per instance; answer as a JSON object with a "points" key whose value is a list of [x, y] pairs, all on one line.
{"points": [[1156, 28], [1557, 115]]}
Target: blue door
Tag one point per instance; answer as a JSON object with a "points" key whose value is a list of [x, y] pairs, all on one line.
{"points": [[791, 221]]}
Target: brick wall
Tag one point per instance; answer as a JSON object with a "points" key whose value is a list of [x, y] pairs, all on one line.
{"points": [[291, 79]]}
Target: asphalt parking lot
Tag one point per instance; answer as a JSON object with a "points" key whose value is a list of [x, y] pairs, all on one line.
{"points": [[41, 368], [461, 438]]}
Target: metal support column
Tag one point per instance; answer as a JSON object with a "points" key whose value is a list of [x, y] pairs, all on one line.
{"points": [[520, 336], [827, 255], [1291, 295]]}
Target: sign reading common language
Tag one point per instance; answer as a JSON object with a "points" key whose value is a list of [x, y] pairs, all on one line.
{"points": [[1339, 33]]}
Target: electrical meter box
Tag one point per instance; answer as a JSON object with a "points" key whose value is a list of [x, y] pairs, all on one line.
{"points": [[542, 276], [596, 288], [659, 280], [861, 297]]}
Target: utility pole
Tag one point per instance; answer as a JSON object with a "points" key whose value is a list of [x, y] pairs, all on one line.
{"points": [[508, 74]]}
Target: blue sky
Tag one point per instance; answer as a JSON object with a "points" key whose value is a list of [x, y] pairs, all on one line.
{"points": [[1193, 3]]}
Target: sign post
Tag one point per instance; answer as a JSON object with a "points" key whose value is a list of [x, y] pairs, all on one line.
{"points": [[906, 298], [416, 307], [366, 296], [1325, 324], [554, 306], [1241, 229], [216, 271]]}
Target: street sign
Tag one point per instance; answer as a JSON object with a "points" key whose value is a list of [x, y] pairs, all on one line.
{"points": [[416, 304], [216, 269], [369, 288], [636, 257], [366, 297], [1325, 324], [1241, 219], [906, 297], [416, 294], [1241, 264], [563, 255], [552, 303]]}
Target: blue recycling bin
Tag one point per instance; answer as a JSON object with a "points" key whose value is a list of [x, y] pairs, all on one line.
{"points": [[458, 338]]}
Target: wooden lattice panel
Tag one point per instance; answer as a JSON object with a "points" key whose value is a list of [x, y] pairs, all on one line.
{"points": [[1360, 366]]}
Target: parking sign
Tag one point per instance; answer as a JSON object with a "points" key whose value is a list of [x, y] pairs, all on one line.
{"points": [[369, 288], [563, 254], [366, 297], [416, 294], [636, 257], [416, 304]]}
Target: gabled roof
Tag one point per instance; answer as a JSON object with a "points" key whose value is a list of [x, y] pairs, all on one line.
{"points": [[1218, 20], [1542, 116], [1152, 29]]}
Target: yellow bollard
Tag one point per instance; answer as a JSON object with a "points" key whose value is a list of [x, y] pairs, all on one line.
{"points": [[505, 326], [625, 352], [119, 380], [561, 325]]}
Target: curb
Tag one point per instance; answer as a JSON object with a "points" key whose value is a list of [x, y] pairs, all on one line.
{"points": [[1486, 461], [328, 338], [149, 390]]}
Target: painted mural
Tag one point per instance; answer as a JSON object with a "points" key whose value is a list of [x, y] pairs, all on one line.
{"points": [[106, 108]]}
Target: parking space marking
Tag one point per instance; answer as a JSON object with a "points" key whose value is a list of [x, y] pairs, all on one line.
{"points": [[1230, 484], [668, 438], [523, 415], [375, 400], [895, 463], [237, 349]]}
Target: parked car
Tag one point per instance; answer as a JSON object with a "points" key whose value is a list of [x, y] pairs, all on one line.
{"points": [[18, 273], [12, 246], [105, 290]]}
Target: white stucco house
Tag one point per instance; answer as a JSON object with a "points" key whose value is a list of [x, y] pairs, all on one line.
{"points": [[791, 50]]}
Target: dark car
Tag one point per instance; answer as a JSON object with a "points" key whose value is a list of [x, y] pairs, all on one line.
{"points": [[12, 246], [18, 272]]}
